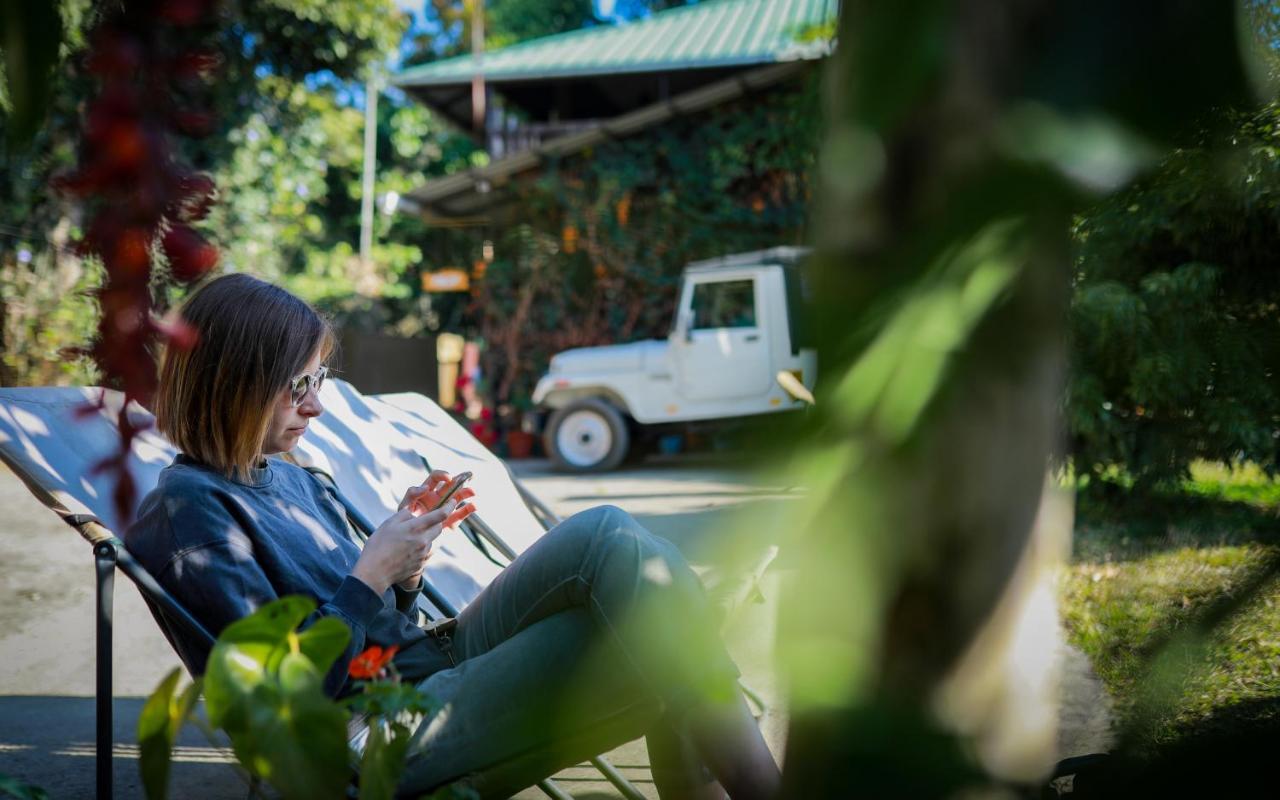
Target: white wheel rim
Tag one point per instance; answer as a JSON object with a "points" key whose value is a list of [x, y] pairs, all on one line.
{"points": [[584, 438]]}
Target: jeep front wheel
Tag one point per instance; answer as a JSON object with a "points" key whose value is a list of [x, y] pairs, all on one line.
{"points": [[587, 436]]}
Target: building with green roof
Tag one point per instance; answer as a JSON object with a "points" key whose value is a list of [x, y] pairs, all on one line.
{"points": [[558, 95]]}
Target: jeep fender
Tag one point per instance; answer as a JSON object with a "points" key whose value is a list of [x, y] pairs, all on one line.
{"points": [[559, 398]]}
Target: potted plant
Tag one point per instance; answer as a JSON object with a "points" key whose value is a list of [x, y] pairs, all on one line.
{"points": [[520, 440]]}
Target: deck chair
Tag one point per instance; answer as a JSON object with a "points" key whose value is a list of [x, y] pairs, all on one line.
{"points": [[367, 447]]}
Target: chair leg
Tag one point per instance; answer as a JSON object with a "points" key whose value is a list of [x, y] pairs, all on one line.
{"points": [[105, 561], [550, 789], [754, 698], [625, 787]]}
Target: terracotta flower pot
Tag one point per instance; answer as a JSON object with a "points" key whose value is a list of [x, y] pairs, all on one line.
{"points": [[520, 444]]}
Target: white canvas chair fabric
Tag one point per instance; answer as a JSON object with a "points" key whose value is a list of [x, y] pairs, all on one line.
{"points": [[52, 442], [374, 446], [371, 445]]}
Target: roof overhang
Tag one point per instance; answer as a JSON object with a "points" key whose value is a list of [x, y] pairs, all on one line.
{"points": [[584, 94]]}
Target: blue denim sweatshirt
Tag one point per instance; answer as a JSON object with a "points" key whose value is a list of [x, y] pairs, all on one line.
{"points": [[224, 547]]}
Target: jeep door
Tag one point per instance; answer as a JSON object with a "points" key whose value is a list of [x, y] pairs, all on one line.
{"points": [[721, 349]]}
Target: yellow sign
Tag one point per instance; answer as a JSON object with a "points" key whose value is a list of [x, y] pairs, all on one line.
{"points": [[446, 280]]}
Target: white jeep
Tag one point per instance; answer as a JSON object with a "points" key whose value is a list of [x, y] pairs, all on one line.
{"points": [[735, 342]]}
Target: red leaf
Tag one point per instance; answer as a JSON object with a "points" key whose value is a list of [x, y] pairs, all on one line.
{"points": [[183, 12], [193, 123], [190, 256], [196, 64], [124, 147], [196, 193], [131, 259], [114, 55], [180, 334]]}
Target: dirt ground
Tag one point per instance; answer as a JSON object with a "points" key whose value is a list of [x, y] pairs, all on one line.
{"points": [[47, 636]]}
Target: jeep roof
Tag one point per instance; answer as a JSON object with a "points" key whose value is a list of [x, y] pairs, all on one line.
{"points": [[785, 256]]}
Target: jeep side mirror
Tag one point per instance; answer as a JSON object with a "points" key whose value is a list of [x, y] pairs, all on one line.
{"points": [[792, 386]]}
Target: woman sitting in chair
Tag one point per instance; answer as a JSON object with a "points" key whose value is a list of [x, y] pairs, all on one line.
{"points": [[595, 635]]}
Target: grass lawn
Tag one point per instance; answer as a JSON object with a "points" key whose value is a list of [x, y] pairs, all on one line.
{"points": [[1145, 571]]}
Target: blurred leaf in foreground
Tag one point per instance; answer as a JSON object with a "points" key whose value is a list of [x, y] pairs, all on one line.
{"points": [[30, 35]]}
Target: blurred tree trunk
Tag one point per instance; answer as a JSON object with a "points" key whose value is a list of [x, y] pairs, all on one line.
{"points": [[940, 402], [961, 138]]}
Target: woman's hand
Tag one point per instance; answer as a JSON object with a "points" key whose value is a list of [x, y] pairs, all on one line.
{"points": [[424, 497], [398, 549], [419, 499]]}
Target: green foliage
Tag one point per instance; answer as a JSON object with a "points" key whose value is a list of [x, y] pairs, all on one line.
{"points": [[19, 790], [396, 709], [275, 89], [299, 38], [286, 155], [447, 32], [517, 20], [31, 31], [1175, 318], [384, 758], [263, 685], [163, 715], [56, 312], [43, 308], [295, 736], [904, 368]]}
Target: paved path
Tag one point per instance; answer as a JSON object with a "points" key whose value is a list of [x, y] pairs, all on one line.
{"points": [[46, 634]]}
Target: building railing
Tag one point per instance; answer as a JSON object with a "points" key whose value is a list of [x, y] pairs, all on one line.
{"points": [[511, 136]]}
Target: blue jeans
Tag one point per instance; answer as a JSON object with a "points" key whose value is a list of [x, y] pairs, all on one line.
{"points": [[597, 634]]}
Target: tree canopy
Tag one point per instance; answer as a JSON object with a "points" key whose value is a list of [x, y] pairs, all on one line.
{"points": [[1176, 312]]}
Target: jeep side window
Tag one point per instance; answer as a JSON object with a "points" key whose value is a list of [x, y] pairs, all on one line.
{"points": [[725, 304]]}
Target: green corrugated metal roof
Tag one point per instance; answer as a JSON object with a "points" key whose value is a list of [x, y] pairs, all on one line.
{"points": [[713, 33]]}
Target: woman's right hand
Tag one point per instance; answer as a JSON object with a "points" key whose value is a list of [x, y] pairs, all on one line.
{"points": [[399, 547]]}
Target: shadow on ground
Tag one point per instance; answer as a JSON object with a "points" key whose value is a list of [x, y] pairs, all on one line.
{"points": [[1124, 527], [710, 536], [35, 748], [1229, 754]]}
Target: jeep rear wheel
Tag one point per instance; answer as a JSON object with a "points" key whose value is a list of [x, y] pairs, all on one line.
{"points": [[587, 436]]}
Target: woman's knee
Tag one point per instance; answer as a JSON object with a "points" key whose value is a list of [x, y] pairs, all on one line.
{"points": [[607, 534], [612, 517], [607, 529], [605, 523]]}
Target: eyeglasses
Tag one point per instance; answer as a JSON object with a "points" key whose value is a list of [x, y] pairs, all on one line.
{"points": [[299, 386]]}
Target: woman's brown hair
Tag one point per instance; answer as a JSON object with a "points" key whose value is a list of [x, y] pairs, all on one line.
{"points": [[215, 400]]}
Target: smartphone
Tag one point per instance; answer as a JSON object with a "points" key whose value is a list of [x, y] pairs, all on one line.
{"points": [[455, 483]]}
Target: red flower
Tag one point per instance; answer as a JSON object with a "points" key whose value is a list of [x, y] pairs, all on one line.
{"points": [[370, 664]]}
